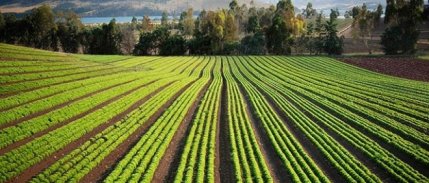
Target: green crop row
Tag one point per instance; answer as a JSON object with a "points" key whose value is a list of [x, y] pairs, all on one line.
{"points": [[285, 85], [249, 163], [30, 127], [17, 160], [142, 160], [198, 157], [294, 158], [406, 146], [345, 163]]}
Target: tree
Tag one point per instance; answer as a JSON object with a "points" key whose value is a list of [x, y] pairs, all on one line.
{"points": [[402, 33], [69, 31], [173, 45], [164, 19], [391, 11], [319, 30], [41, 27], [333, 45], [363, 25], [146, 24], [151, 42], [309, 12], [189, 25], [233, 5], [134, 23], [2, 27], [355, 11], [145, 46], [254, 44], [378, 13], [278, 37], [105, 39], [253, 25], [231, 34], [128, 41]]}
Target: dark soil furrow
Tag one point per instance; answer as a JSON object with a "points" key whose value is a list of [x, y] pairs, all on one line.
{"points": [[225, 167]]}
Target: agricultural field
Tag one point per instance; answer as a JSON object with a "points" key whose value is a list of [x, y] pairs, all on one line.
{"points": [[82, 118]]}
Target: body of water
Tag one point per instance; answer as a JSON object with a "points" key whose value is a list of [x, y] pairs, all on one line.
{"points": [[100, 20]]}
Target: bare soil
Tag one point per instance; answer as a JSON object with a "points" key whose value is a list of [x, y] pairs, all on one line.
{"points": [[224, 167], [404, 67]]}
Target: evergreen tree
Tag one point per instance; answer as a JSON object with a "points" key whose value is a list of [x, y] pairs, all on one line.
{"points": [[164, 19]]}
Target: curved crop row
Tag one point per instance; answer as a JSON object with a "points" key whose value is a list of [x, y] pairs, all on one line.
{"points": [[142, 160], [199, 152]]}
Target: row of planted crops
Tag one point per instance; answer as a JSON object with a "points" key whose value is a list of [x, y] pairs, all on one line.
{"points": [[71, 118]]}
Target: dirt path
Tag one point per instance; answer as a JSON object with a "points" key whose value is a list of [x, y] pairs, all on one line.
{"points": [[409, 68], [59, 106], [225, 166], [70, 120], [45, 163]]}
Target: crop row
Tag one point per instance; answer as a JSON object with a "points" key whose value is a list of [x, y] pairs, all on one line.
{"points": [[79, 162], [373, 150], [142, 160], [17, 160], [300, 165], [30, 127], [346, 164], [340, 99], [249, 163], [198, 157]]}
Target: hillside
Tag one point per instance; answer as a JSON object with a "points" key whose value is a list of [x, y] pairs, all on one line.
{"points": [[117, 8], [89, 118], [155, 7]]}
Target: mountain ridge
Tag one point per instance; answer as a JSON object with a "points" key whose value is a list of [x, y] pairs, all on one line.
{"points": [[156, 7]]}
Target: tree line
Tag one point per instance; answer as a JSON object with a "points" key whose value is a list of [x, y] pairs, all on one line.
{"points": [[239, 29]]}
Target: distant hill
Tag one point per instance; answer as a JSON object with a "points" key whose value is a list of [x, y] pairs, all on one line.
{"points": [[155, 7], [118, 7]]}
